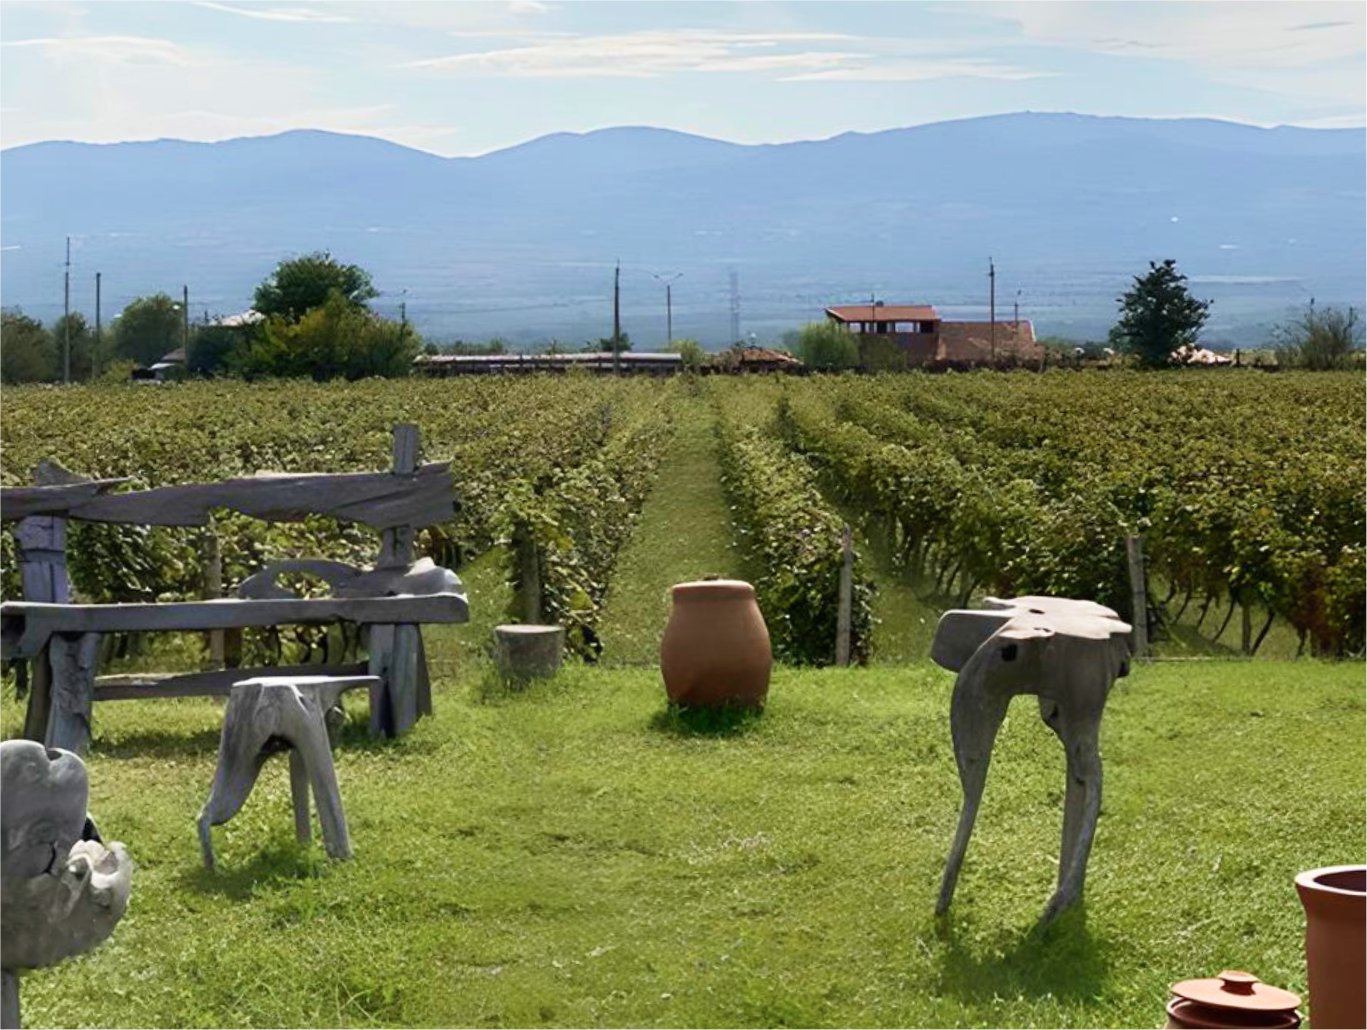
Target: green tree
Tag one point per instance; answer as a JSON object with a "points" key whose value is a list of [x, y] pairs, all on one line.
{"points": [[1320, 339], [615, 344], [827, 345], [298, 285], [26, 352], [691, 353], [86, 358], [148, 328], [335, 340], [214, 348], [1159, 315]]}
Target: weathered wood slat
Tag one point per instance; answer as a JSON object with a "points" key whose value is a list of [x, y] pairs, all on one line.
{"points": [[216, 683], [382, 500], [25, 626]]}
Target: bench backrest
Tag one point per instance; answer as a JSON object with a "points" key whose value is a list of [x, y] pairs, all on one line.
{"points": [[398, 503]]}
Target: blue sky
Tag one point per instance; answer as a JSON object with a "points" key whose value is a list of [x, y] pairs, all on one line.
{"points": [[467, 78]]}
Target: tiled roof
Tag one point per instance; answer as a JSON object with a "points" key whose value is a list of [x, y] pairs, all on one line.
{"points": [[885, 313], [972, 341]]}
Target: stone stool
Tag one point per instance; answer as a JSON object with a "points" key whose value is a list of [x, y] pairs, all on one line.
{"points": [[528, 652], [271, 714]]}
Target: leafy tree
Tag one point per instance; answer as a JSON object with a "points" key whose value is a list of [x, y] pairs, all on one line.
{"points": [[148, 328], [86, 358], [298, 285], [616, 344], [335, 340], [1320, 339], [26, 352], [691, 353], [1159, 315], [827, 345], [214, 348]]}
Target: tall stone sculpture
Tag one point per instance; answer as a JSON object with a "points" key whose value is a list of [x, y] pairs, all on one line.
{"points": [[1066, 652], [61, 889]]}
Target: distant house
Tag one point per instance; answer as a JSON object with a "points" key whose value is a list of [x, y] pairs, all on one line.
{"points": [[913, 329], [914, 336], [168, 366], [755, 359]]}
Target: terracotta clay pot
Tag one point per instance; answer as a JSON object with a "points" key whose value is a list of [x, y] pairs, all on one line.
{"points": [[716, 647], [1335, 900], [1233, 999]]}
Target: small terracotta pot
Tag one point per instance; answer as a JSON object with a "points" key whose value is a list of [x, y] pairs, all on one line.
{"points": [[716, 647], [1232, 1000], [1335, 900]]}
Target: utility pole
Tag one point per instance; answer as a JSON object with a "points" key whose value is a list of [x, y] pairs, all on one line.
{"points": [[1016, 322], [668, 279], [992, 306], [66, 317], [99, 336], [185, 315], [403, 314], [617, 318]]}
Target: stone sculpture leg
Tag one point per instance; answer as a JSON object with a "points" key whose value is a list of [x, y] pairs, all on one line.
{"points": [[975, 718], [264, 715]]}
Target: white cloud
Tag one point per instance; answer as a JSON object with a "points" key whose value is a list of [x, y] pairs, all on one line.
{"points": [[291, 14], [1301, 34], [790, 56], [528, 7], [922, 71], [113, 49]]}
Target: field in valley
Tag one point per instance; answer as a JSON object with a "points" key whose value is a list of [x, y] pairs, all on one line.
{"points": [[576, 854]]}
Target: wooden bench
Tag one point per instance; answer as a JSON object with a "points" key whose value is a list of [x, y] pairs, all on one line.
{"points": [[388, 603]]}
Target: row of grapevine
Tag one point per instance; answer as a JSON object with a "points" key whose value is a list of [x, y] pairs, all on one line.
{"points": [[513, 444], [792, 532], [1246, 487]]}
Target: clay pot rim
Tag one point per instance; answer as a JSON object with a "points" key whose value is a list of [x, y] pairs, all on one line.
{"points": [[1209, 1015], [713, 590], [1311, 880]]}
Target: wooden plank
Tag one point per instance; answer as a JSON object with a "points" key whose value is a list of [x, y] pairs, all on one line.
{"points": [[216, 683], [378, 499], [397, 543], [25, 627], [213, 589]]}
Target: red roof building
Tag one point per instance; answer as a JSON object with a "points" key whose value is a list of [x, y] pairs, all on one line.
{"points": [[914, 336]]}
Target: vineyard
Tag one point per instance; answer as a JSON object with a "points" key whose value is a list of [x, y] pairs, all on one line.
{"points": [[1247, 488]]}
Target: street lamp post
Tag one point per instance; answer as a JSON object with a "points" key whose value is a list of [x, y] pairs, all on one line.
{"points": [[668, 278]]}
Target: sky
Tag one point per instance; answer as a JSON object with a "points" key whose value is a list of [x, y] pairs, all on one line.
{"points": [[461, 78]]}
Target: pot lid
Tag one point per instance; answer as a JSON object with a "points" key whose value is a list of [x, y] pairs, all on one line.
{"points": [[1234, 989]]}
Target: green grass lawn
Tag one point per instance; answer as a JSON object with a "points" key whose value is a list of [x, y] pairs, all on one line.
{"points": [[684, 534], [572, 855]]}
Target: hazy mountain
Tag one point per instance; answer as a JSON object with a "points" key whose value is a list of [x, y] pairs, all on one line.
{"points": [[522, 241]]}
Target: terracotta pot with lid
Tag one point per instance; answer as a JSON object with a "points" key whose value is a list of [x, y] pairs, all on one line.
{"points": [[1335, 900], [716, 647], [1232, 999]]}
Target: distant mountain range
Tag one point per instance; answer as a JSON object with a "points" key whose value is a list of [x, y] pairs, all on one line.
{"points": [[522, 242]]}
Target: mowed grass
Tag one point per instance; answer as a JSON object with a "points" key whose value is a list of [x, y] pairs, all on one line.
{"points": [[684, 534], [572, 855]]}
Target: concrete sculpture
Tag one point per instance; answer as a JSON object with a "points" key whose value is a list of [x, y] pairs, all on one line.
{"points": [[61, 889], [1068, 653], [270, 714]]}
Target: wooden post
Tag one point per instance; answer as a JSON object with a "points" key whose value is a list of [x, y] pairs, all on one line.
{"points": [[41, 543], [396, 652], [843, 617], [213, 588], [1139, 596], [74, 661], [9, 998], [530, 576]]}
